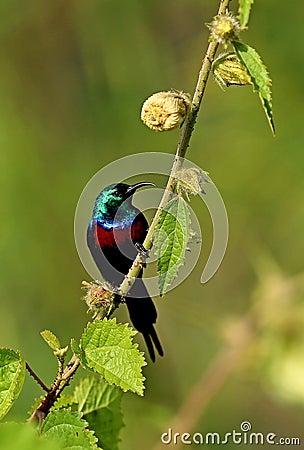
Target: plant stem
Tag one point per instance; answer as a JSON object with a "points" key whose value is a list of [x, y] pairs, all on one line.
{"points": [[180, 153], [55, 390], [63, 378], [36, 378]]}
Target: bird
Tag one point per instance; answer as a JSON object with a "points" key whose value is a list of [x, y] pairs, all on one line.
{"points": [[115, 232]]}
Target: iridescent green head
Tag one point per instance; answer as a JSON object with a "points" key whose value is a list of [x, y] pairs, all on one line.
{"points": [[113, 197]]}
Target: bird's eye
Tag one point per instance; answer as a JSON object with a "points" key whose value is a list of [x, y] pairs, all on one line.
{"points": [[116, 194]]}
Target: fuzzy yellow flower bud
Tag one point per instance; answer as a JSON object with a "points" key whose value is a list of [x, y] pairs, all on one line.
{"points": [[165, 111], [224, 29]]}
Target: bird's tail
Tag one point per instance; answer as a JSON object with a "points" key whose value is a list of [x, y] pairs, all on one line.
{"points": [[143, 315], [150, 339]]}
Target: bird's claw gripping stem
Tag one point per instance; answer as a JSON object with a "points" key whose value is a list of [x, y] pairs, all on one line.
{"points": [[141, 249]]}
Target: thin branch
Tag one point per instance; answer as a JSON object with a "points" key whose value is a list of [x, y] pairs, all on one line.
{"points": [[36, 378], [63, 378], [180, 153], [70, 369], [54, 392]]}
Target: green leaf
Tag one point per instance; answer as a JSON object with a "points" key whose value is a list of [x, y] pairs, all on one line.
{"points": [[51, 339], [92, 393], [12, 374], [228, 70], [259, 77], [63, 401], [76, 350], [69, 429], [80, 355], [23, 436], [107, 348], [170, 241], [107, 424], [100, 404], [35, 405], [244, 11]]}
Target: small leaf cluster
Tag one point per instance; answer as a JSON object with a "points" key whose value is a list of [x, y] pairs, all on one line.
{"points": [[90, 418], [244, 65]]}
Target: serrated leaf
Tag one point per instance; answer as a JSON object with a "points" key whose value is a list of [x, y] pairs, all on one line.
{"points": [[23, 436], [69, 429], [63, 402], [174, 225], [259, 77], [107, 425], [244, 11], [80, 355], [35, 405], [12, 374], [93, 393], [100, 404], [51, 339], [108, 350]]}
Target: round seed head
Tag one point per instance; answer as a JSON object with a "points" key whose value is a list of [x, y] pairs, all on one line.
{"points": [[164, 111]]}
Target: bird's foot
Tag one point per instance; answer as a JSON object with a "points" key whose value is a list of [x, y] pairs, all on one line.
{"points": [[143, 253], [141, 249]]}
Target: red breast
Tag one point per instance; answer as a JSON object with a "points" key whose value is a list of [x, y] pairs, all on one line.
{"points": [[110, 238]]}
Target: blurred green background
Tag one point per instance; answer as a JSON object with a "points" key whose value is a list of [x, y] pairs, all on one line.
{"points": [[73, 77]]}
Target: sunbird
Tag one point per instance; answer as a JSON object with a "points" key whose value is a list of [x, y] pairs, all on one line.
{"points": [[115, 233]]}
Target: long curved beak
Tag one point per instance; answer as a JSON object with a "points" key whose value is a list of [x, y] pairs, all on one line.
{"points": [[131, 189]]}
